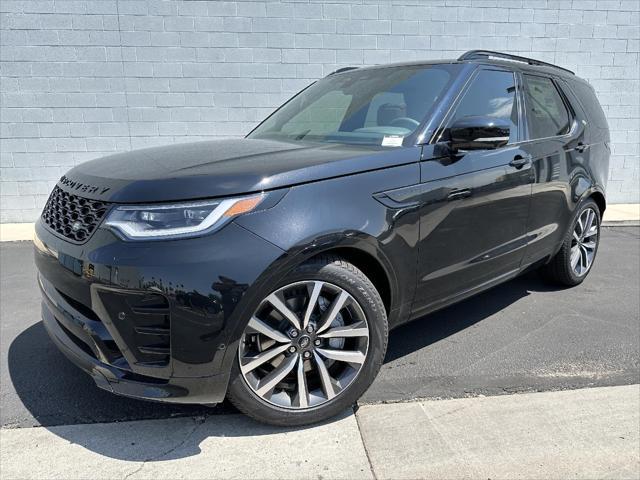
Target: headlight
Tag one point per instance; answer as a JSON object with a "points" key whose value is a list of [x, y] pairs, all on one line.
{"points": [[143, 222]]}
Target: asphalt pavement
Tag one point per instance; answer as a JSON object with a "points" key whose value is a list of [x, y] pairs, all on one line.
{"points": [[522, 336]]}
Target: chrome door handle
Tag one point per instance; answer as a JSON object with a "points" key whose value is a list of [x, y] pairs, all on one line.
{"points": [[459, 193]]}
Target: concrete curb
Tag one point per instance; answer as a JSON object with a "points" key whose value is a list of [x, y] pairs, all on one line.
{"points": [[617, 215], [219, 446], [622, 212], [589, 433], [16, 232], [621, 223]]}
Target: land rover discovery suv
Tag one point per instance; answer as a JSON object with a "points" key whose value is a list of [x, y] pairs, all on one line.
{"points": [[270, 269]]}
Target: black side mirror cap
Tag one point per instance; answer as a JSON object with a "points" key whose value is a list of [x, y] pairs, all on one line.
{"points": [[479, 133]]}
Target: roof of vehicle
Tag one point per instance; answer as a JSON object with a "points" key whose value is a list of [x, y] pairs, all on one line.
{"points": [[483, 57]]}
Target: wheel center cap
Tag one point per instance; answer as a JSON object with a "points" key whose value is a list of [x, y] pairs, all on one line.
{"points": [[304, 341]]}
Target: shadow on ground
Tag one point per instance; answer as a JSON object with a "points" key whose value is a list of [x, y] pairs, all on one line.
{"points": [[58, 395], [56, 392], [443, 323]]}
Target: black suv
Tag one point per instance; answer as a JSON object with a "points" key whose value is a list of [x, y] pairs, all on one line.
{"points": [[270, 269]]}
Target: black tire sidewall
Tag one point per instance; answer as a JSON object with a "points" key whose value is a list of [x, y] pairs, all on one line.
{"points": [[352, 280]]}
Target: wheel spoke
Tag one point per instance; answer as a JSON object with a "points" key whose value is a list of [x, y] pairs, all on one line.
{"points": [[584, 223], [254, 362], [575, 256], [355, 330], [584, 259], [269, 382], [591, 245], [259, 326], [576, 237], [285, 311], [591, 215], [330, 314], [303, 390], [325, 378], [342, 355], [313, 299], [580, 225], [591, 232]]}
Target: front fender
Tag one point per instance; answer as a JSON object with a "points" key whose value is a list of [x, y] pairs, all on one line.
{"points": [[328, 215], [343, 213], [273, 276]]}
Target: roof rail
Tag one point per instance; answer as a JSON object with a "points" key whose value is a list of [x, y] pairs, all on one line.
{"points": [[343, 69], [477, 54]]}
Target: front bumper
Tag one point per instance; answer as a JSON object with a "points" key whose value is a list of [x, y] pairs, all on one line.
{"points": [[63, 328], [153, 320]]}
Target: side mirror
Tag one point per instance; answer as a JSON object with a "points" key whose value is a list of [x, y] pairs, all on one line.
{"points": [[478, 133]]}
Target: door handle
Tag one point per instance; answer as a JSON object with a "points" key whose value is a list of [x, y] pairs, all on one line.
{"points": [[519, 161], [459, 193], [581, 147]]}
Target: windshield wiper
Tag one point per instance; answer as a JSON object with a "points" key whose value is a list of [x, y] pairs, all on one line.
{"points": [[301, 135]]}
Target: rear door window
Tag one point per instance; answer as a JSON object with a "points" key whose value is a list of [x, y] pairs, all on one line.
{"points": [[546, 111]]}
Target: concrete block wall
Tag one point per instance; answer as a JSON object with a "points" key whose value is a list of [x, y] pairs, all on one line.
{"points": [[85, 78]]}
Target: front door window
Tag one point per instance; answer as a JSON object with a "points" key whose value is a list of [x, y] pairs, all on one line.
{"points": [[491, 94]]}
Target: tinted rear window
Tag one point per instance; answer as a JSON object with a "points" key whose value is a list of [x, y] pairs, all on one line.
{"points": [[590, 103], [546, 112]]}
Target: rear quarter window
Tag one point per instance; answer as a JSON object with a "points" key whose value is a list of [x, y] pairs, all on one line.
{"points": [[590, 104]]}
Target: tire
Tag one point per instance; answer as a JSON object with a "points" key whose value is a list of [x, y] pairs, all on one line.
{"points": [[305, 398], [561, 270]]}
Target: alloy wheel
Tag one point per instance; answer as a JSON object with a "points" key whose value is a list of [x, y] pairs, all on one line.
{"points": [[584, 242], [304, 345]]}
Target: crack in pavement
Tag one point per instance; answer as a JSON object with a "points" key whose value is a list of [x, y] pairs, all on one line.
{"points": [[198, 422], [465, 456], [364, 444]]}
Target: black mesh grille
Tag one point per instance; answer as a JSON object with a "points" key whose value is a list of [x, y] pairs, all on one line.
{"points": [[71, 216]]}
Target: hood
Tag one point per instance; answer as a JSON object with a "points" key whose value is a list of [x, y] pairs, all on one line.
{"points": [[222, 168]]}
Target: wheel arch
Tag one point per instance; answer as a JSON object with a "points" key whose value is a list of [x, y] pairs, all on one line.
{"points": [[358, 248], [583, 187], [598, 197], [367, 264]]}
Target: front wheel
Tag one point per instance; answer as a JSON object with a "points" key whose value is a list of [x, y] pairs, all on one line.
{"points": [[312, 347], [575, 258]]}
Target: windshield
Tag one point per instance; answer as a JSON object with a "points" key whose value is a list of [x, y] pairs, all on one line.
{"points": [[378, 106]]}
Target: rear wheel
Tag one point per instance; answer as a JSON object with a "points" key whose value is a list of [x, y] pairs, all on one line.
{"points": [[575, 258], [312, 347]]}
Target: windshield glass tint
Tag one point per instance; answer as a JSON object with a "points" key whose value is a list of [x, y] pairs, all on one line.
{"points": [[377, 106]]}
